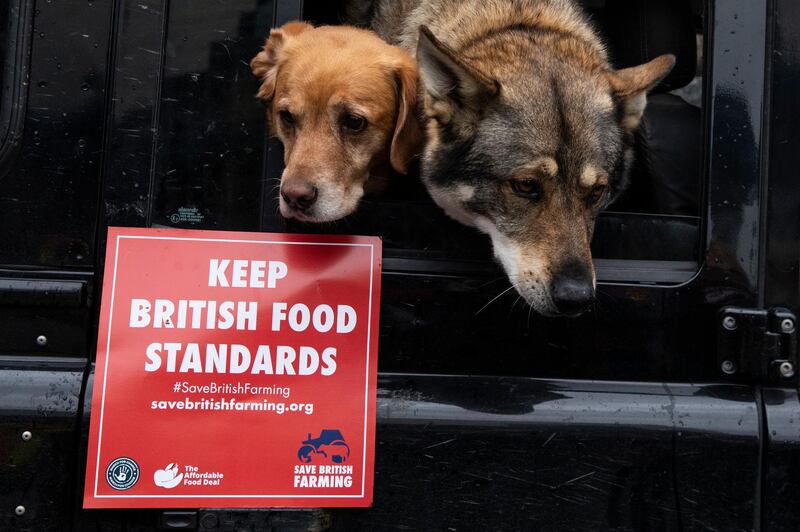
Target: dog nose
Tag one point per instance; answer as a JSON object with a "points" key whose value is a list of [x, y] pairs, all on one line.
{"points": [[300, 195], [572, 291]]}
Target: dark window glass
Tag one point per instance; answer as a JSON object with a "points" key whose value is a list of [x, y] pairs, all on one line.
{"points": [[210, 135]]}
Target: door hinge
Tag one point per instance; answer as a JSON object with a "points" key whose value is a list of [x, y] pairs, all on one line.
{"points": [[757, 344]]}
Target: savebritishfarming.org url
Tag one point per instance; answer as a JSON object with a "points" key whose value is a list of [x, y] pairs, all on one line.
{"points": [[234, 405]]}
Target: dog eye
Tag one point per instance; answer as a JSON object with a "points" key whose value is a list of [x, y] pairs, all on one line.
{"points": [[596, 194], [287, 118], [354, 123], [527, 188]]}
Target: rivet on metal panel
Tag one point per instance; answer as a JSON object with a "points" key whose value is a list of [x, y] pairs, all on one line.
{"points": [[728, 367]]}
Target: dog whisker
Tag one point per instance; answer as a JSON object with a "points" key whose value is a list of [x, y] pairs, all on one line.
{"points": [[487, 283], [514, 305], [528, 320], [495, 299]]}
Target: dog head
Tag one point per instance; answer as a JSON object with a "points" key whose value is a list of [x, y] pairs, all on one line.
{"points": [[343, 103], [529, 148]]}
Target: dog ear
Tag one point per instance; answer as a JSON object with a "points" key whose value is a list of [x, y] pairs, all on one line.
{"points": [[631, 86], [450, 83], [265, 64], [408, 135]]}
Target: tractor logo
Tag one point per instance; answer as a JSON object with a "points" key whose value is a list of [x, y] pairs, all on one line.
{"points": [[329, 448]]}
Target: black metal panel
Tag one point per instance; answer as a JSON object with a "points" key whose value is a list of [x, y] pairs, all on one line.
{"points": [[736, 100], [781, 488], [48, 207], [783, 216], [448, 324], [55, 305], [456, 453], [54, 86], [41, 396], [41, 292]]}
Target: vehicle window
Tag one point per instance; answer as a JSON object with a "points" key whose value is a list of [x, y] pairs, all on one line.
{"points": [[208, 160], [652, 233], [9, 22], [445, 303]]}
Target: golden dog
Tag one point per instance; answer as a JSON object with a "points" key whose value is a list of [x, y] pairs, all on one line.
{"points": [[343, 103]]}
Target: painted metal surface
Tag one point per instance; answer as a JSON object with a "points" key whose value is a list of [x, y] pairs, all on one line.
{"points": [[563, 455], [41, 396], [781, 467], [58, 161]]}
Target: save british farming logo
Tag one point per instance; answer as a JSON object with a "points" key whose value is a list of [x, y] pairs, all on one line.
{"points": [[329, 447], [323, 462]]}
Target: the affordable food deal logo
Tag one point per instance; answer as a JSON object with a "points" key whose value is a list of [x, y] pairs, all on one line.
{"points": [[173, 475]]}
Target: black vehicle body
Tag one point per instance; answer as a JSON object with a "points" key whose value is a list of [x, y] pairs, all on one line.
{"points": [[651, 412]]}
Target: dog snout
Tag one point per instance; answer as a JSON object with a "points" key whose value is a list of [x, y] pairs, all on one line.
{"points": [[299, 195], [572, 289]]}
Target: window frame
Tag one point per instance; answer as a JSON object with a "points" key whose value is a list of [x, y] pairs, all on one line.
{"points": [[14, 90], [612, 270]]}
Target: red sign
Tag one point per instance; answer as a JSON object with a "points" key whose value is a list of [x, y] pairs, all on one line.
{"points": [[235, 370]]}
